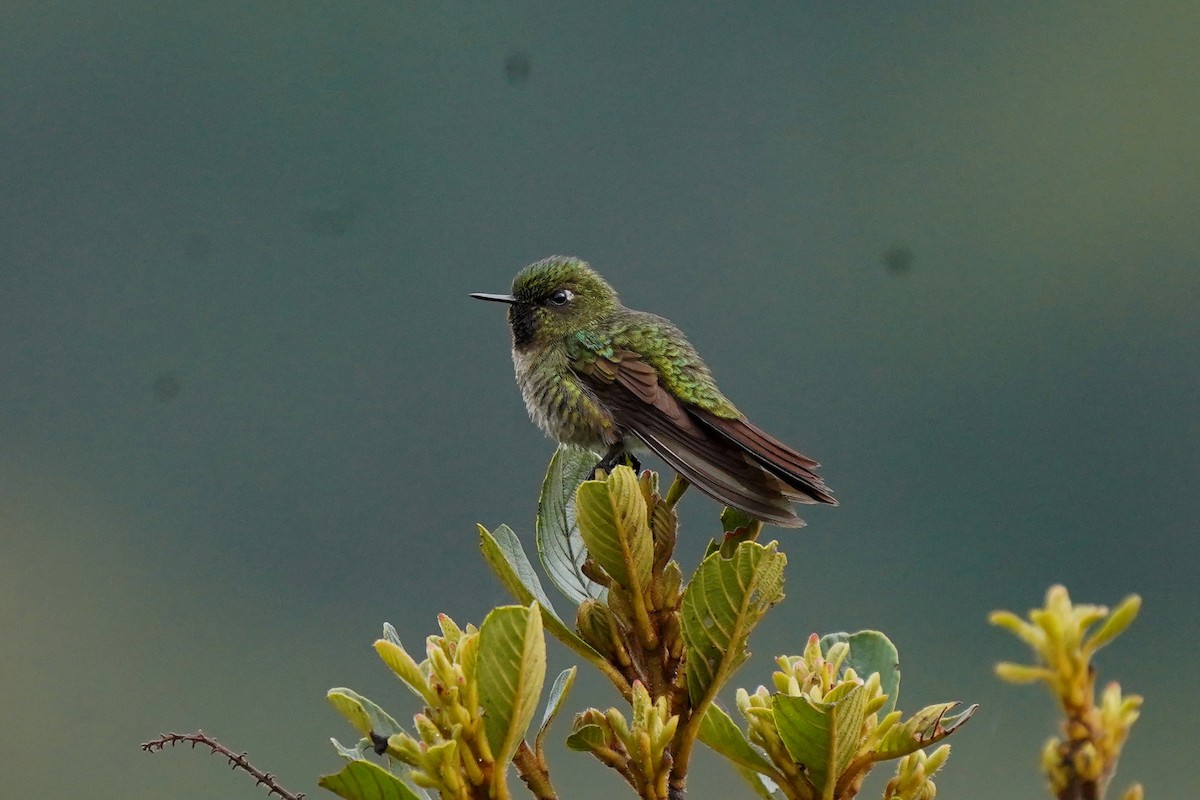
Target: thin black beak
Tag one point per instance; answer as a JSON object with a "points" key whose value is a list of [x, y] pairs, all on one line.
{"points": [[495, 298]]}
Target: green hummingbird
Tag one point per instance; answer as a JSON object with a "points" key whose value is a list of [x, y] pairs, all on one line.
{"points": [[596, 374]]}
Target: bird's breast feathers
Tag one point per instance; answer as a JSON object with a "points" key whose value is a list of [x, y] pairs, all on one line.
{"points": [[560, 403]]}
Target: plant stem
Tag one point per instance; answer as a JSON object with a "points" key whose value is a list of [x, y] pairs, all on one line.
{"points": [[238, 760], [678, 487], [685, 740], [647, 634], [599, 662], [534, 773]]}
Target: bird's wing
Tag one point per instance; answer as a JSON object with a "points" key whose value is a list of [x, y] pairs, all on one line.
{"points": [[795, 469], [714, 453]]}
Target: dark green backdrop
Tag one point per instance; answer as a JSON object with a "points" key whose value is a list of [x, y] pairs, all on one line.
{"points": [[248, 414]]}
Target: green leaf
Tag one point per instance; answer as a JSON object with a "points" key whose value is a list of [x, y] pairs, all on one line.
{"points": [[558, 693], [404, 665], [822, 736], [1120, 619], [502, 550], [1022, 673], [364, 715], [734, 518], [389, 633], [762, 786], [722, 603], [927, 726], [870, 652], [560, 546], [365, 780], [1032, 635], [721, 734], [510, 668], [352, 753], [586, 739], [612, 521], [739, 527]]}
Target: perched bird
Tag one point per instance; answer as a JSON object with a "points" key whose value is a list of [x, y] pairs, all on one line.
{"points": [[596, 374]]}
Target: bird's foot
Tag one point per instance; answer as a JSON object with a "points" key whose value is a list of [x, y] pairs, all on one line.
{"points": [[614, 458]]}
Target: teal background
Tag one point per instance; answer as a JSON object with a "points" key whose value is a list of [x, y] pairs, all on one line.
{"points": [[248, 414]]}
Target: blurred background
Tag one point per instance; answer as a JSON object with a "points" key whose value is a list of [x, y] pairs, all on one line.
{"points": [[248, 413]]}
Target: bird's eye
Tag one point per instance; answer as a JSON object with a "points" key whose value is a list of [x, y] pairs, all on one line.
{"points": [[560, 297]]}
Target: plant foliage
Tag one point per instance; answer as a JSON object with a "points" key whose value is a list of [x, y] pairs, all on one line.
{"points": [[669, 645]]}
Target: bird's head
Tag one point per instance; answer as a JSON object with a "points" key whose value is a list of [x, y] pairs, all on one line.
{"points": [[554, 298]]}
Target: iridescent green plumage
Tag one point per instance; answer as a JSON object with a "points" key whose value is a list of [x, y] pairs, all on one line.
{"points": [[596, 374]]}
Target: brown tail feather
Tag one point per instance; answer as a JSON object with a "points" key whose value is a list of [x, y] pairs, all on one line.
{"points": [[793, 468], [762, 502], [729, 460], [719, 469]]}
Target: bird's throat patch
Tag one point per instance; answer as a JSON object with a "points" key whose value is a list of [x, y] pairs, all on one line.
{"points": [[523, 321]]}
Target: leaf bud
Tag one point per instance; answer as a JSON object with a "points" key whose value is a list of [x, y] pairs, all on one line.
{"points": [[593, 620]]}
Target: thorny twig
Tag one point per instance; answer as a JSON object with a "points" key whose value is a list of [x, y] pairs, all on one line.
{"points": [[236, 760]]}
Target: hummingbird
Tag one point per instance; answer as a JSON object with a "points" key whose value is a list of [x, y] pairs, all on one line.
{"points": [[598, 375]]}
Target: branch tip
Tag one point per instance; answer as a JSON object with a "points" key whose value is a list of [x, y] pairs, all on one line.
{"points": [[236, 760]]}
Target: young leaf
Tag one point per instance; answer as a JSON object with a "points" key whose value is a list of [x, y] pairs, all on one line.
{"points": [[720, 733], [870, 651], [586, 738], [739, 527], [734, 518], [1120, 619], [364, 715], [1032, 635], [1022, 673], [612, 521], [927, 726], [822, 736], [404, 665], [389, 633], [560, 547], [365, 780], [558, 693], [510, 665], [722, 603]]}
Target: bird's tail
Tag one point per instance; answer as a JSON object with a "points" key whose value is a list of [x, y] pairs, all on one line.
{"points": [[796, 470], [741, 466]]}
